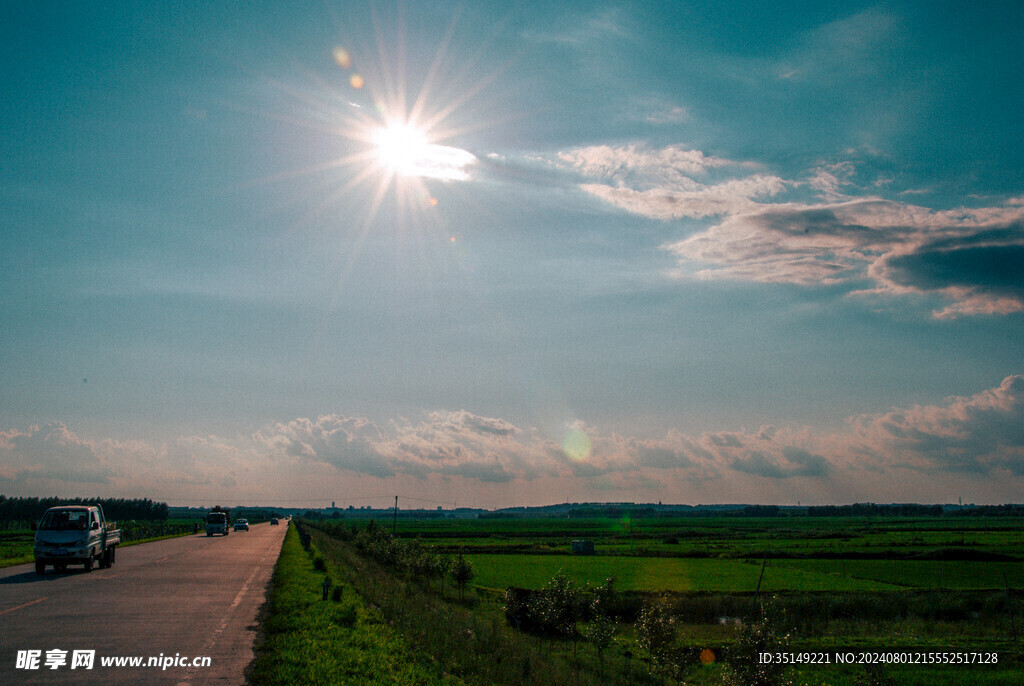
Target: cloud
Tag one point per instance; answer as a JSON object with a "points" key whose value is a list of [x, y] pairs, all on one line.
{"points": [[668, 183], [449, 443], [55, 452], [968, 257], [796, 462], [981, 272], [982, 433], [584, 32], [921, 453], [852, 47]]}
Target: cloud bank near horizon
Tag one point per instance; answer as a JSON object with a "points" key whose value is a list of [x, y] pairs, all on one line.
{"points": [[922, 453]]}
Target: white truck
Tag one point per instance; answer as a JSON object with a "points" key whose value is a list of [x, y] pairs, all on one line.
{"points": [[75, 534], [218, 522]]}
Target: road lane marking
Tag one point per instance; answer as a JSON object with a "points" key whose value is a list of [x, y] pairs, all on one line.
{"points": [[191, 673], [18, 607]]}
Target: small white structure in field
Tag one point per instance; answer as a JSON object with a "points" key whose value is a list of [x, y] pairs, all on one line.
{"points": [[582, 547]]}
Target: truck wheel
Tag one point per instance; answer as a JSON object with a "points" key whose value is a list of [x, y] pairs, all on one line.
{"points": [[105, 560], [113, 554], [40, 567], [87, 565]]}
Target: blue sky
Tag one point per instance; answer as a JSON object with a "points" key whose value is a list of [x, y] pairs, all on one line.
{"points": [[501, 255]]}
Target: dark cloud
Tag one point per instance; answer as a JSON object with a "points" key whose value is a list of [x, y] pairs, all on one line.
{"points": [[661, 457], [816, 221], [492, 472], [992, 268], [796, 462]]}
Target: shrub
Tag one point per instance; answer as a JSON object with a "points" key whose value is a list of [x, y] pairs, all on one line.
{"points": [[656, 633], [462, 573], [743, 668]]}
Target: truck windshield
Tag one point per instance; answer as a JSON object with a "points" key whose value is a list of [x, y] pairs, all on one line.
{"points": [[216, 518], [60, 520]]}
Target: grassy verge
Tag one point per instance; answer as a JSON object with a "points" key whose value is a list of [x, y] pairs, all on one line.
{"points": [[307, 640]]}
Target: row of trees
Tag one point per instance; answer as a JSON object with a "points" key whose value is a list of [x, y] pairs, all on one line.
{"points": [[557, 609], [25, 511], [874, 510]]}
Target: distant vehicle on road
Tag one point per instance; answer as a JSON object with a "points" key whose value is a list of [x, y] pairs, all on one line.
{"points": [[242, 525], [75, 534], [274, 521], [218, 522]]}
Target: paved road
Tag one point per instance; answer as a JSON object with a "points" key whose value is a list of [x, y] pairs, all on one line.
{"points": [[194, 596]]}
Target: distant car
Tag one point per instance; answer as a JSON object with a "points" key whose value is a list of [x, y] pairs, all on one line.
{"points": [[242, 525], [274, 522]]}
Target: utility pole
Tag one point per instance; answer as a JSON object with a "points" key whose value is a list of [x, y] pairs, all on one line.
{"points": [[394, 526]]}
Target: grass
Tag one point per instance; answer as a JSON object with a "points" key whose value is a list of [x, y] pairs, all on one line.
{"points": [[472, 638], [752, 537], [825, 602], [306, 640], [16, 545], [662, 574], [924, 574]]}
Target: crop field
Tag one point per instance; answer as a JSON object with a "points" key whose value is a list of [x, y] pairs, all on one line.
{"points": [[930, 583], [664, 574], [726, 536], [728, 575]]}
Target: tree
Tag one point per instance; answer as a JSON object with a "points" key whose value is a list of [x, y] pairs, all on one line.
{"points": [[462, 573], [441, 567], [600, 632], [754, 638], [656, 633], [601, 629]]}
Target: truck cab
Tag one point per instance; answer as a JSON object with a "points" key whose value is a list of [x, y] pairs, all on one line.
{"points": [[74, 534], [218, 522]]}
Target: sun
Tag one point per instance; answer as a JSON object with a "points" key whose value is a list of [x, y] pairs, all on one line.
{"points": [[405, 149], [395, 130], [401, 147]]}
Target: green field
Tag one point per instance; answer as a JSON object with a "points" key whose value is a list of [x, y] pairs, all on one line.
{"points": [[724, 536], [922, 574], [665, 574], [928, 582], [726, 575]]}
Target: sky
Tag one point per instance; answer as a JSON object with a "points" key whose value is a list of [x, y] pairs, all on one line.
{"points": [[496, 254]]}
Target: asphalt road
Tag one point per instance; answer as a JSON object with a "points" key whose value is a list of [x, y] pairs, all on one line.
{"points": [[188, 597]]}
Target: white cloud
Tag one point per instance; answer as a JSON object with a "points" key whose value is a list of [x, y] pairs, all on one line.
{"points": [[966, 256], [55, 452], [917, 453]]}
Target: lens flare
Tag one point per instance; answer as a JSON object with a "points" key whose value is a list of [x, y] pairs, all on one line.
{"points": [[577, 446], [341, 57]]}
